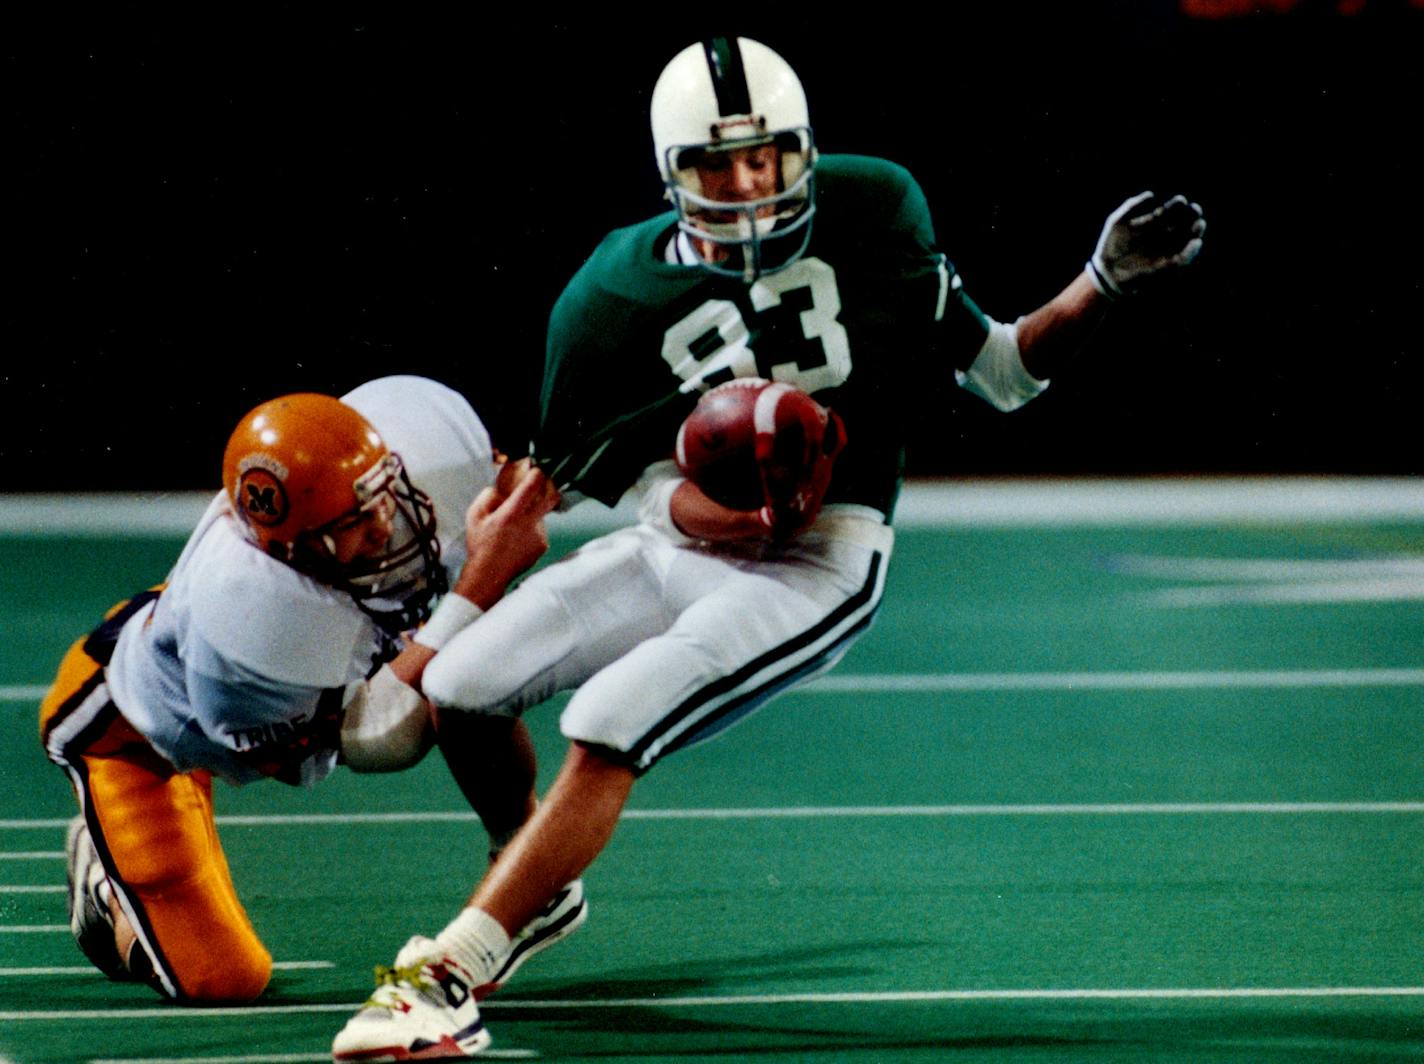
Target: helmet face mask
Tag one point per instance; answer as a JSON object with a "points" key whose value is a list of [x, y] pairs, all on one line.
{"points": [[403, 575], [719, 97], [304, 473], [758, 236]]}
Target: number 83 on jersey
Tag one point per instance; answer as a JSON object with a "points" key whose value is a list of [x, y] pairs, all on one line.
{"points": [[799, 339]]}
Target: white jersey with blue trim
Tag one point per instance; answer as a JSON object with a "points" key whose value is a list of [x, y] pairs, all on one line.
{"points": [[240, 665]]}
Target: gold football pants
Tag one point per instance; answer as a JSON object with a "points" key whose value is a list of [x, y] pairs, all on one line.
{"points": [[154, 831]]}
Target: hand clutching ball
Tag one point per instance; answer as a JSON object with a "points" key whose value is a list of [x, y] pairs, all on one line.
{"points": [[752, 444]]}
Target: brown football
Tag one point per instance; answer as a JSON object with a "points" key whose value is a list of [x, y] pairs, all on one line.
{"points": [[716, 445]]}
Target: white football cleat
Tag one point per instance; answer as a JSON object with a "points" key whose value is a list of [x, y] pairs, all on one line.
{"points": [[423, 1009], [563, 916], [89, 891]]}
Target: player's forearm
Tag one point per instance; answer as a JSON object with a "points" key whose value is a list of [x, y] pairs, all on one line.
{"points": [[410, 663], [1053, 334], [697, 516], [483, 586]]}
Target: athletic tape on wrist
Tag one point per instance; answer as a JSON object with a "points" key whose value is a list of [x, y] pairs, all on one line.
{"points": [[454, 614]]}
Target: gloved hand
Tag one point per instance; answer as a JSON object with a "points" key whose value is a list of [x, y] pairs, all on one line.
{"points": [[1145, 236]]}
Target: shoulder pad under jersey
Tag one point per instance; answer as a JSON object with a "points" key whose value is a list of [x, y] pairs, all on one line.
{"points": [[444, 445], [269, 619]]}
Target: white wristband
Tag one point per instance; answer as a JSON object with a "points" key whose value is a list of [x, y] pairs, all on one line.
{"points": [[997, 374], [454, 614]]}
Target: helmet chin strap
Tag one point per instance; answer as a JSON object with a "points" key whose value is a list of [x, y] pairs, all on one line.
{"points": [[411, 612]]}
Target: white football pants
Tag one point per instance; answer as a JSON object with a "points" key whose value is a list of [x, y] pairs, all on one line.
{"points": [[667, 644]]}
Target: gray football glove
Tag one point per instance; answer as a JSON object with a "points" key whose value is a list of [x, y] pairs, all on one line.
{"points": [[1144, 236]]}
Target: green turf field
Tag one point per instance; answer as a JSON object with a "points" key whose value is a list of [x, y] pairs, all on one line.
{"points": [[1085, 793]]}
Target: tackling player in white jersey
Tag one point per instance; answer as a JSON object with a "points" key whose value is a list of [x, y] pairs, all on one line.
{"points": [[275, 648]]}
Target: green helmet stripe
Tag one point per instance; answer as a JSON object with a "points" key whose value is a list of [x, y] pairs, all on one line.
{"points": [[729, 77]]}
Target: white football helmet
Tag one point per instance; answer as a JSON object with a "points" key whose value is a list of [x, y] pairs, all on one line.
{"points": [[733, 93]]}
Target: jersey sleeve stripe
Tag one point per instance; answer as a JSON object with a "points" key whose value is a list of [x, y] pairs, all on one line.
{"points": [[946, 283]]}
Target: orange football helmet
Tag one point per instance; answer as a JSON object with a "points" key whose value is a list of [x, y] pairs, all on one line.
{"points": [[299, 465]]}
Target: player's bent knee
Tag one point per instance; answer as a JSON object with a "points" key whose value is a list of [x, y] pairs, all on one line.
{"points": [[229, 986], [507, 660], [450, 686], [453, 684], [229, 980]]}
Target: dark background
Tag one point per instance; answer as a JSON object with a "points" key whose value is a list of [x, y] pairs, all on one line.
{"points": [[205, 214]]}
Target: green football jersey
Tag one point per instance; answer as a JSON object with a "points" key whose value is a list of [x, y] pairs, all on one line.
{"points": [[857, 321]]}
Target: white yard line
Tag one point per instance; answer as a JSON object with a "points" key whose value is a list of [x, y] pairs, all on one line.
{"points": [[1039, 681], [27, 973], [290, 1058], [912, 996], [37, 888], [928, 503], [1073, 809], [257, 1058], [868, 997], [1116, 681], [28, 692], [88, 969], [33, 929], [34, 855], [828, 811]]}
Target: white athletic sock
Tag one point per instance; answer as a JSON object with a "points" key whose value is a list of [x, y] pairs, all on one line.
{"points": [[475, 939]]}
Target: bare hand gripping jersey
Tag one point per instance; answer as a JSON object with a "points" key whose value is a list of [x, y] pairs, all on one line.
{"points": [[870, 308]]}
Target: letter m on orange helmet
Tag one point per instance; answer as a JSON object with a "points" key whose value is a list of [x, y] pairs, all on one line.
{"points": [[293, 465], [296, 466]]}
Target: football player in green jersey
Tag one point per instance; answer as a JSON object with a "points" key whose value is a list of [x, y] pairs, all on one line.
{"points": [[817, 271]]}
